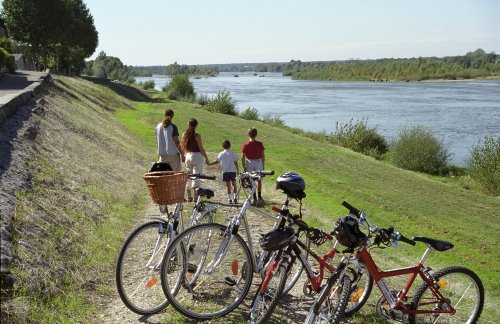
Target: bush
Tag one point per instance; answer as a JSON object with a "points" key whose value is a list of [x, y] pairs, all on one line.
{"points": [[484, 164], [222, 103], [202, 99], [360, 138], [273, 120], [7, 60], [179, 87], [150, 84], [250, 114], [418, 149]]}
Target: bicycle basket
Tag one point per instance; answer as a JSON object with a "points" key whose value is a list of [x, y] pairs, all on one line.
{"points": [[276, 239], [166, 187]]}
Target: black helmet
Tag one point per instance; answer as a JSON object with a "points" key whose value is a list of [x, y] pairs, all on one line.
{"points": [[348, 233], [292, 184], [276, 239]]}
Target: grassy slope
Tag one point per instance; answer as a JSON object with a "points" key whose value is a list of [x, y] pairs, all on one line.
{"points": [[85, 195], [414, 204]]}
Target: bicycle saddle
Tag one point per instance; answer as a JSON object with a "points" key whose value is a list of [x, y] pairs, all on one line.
{"points": [[205, 193], [435, 244]]}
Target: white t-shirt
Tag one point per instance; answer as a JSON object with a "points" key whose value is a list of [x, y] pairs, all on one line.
{"points": [[227, 159]]}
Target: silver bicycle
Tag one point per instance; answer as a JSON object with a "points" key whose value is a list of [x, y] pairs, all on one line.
{"points": [[140, 259], [208, 269]]}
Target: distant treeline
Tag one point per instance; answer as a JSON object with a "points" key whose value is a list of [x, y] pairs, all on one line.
{"points": [[175, 68], [477, 64]]}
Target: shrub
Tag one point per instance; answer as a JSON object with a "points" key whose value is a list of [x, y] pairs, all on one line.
{"points": [[7, 60], [250, 114], [360, 138], [418, 149], [484, 164], [150, 84], [222, 103], [273, 120], [179, 87], [202, 99]]}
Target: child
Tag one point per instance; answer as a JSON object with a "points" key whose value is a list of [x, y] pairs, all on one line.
{"points": [[252, 159], [230, 169]]}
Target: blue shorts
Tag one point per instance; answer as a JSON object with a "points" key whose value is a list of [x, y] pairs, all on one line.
{"points": [[228, 176]]}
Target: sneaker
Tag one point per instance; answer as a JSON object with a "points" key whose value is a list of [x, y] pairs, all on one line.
{"points": [[229, 201], [235, 202]]}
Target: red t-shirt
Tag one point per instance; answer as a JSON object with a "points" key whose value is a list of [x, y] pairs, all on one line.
{"points": [[253, 150]]}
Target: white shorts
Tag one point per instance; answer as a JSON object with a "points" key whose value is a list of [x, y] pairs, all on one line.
{"points": [[253, 165]]}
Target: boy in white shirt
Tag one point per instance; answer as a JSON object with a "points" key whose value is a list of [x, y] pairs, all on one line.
{"points": [[230, 169]]}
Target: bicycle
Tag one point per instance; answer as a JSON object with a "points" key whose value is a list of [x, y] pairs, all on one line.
{"points": [[453, 294], [220, 283], [289, 248], [139, 261]]}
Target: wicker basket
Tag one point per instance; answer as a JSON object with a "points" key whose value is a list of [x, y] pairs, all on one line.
{"points": [[166, 187]]}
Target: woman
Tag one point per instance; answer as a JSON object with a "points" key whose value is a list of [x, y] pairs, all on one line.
{"points": [[194, 152], [167, 141]]}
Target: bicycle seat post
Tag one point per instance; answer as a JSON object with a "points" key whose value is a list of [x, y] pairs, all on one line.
{"points": [[426, 254]]}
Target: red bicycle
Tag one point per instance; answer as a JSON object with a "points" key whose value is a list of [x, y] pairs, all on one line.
{"points": [[451, 295], [286, 241]]}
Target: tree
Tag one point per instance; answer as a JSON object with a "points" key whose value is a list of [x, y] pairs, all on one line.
{"points": [[60, 33]]}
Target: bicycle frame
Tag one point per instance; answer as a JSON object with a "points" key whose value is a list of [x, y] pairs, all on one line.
{"points": [[315, 279], [233, 228], [397, 303]]}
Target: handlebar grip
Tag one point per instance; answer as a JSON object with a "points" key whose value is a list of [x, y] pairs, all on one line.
{"points": [[201, 176], [407, 240], [352, 209], [266, 172]]}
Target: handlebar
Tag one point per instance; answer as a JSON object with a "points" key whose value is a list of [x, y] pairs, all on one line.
{"points": [[264, 172], [405, 239], [201, 176], [352, 209], [385, 234]]}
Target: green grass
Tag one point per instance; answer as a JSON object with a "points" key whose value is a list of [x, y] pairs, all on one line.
{"points": [[414, 204]]}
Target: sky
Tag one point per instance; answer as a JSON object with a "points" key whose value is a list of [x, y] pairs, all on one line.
{"points": [[160, 32]]}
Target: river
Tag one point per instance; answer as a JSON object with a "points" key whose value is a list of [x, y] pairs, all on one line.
{"points": [[461, 113]]}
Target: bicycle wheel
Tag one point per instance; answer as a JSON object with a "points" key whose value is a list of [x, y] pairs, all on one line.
{"points": [[461, 288], [268, 294], [332, 309], [138, 268], [361, 287], [208, 274]]}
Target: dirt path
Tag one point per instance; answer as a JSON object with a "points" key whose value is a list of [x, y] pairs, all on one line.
{"points": [[294, 306]]}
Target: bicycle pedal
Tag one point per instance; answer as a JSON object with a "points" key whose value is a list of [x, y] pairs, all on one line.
{"points": [[231, 282]]}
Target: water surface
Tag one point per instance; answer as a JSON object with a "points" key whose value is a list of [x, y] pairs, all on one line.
{"points": [[461, 113]]}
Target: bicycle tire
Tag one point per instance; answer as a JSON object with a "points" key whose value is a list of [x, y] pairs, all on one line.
{"points": [[266, 298], [138, 268], [454, 282], [331, 310], [217, 291], [361, 288]]}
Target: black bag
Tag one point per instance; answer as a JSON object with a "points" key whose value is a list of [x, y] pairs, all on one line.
{"points": [[160, 166]]}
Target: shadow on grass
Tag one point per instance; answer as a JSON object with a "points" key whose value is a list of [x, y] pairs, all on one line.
{"points": [[123, 90]]}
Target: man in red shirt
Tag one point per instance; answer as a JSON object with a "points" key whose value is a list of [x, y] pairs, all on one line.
{"points": [[252, 159]]}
